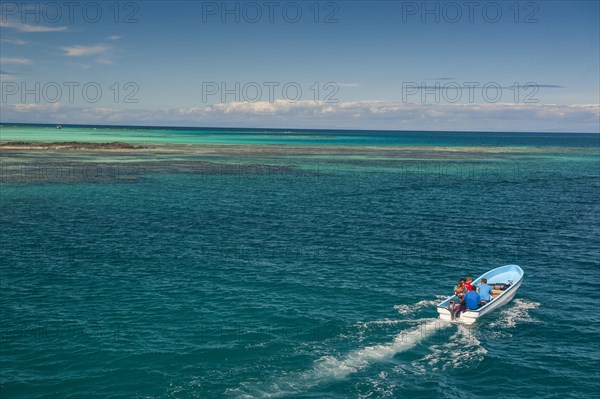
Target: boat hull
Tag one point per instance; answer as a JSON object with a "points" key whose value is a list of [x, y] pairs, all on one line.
{"points": [[499, 275]]}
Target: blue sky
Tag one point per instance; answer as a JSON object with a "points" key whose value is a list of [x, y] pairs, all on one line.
{"points": [[485, 65]]}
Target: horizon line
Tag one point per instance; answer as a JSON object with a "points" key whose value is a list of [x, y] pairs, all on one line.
{"points": [[157, 127]]}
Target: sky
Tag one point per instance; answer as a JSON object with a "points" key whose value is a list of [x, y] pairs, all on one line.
{"points": [[393, 65]]}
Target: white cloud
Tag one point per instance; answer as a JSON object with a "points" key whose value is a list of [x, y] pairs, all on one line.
{"points": [[347, 115], [263, 107], [84, 51], [17, 42], [35, 107], [14, 60], [390, 116], [397, 115], [23, 27], [114, 37]]}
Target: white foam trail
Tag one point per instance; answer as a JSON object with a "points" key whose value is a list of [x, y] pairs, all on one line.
{"points": [[518, 313], [365, 327], [412, 308], [330, 368], [382, 322], [463, 349]]}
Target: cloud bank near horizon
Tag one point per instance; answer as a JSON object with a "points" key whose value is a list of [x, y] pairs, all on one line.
{"points": [[367, 115]]}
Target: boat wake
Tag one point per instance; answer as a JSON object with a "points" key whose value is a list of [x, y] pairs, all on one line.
{"points": [[331, 368], [410, 309], [448, 349], [516, 314], [462, 349]]}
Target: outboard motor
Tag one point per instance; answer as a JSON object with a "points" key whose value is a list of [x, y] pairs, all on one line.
{"points": [[450, 307]]}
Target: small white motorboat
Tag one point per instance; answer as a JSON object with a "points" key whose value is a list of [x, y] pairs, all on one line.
{"points": [[504, 280]]}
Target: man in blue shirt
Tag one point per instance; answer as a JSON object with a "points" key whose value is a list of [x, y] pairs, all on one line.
{"points": [[472, 299], [485, 291]]}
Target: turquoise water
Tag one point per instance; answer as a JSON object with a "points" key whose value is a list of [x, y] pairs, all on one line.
{"points": [[314, 281], [12, 132]]}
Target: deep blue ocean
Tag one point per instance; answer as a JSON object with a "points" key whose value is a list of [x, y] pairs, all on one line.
{"points": [[302, 275]]}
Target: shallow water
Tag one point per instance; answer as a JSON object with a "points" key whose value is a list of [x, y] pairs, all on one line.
{"points": [[318, 280]]}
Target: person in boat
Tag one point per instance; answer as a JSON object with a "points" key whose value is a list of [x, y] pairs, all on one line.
{"points": [[485, 292], [460, 292], [468, 283], [459, 289], [472, 299]]}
